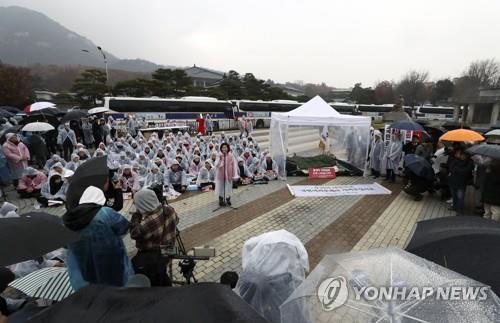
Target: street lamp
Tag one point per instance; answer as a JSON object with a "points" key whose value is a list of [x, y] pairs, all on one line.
{"points": [[105, 61], [104, 57]]}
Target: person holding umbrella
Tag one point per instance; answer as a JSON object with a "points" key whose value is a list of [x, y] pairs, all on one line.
{"points": [[17, 156], [66, 139], [99, 256], [491, 191]]}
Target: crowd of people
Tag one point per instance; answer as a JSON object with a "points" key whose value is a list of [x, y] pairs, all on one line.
{"points": [[454, 170], [178, 162]]}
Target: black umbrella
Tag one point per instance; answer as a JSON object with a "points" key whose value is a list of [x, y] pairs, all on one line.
{"points": [[487, 150], [204, 302], [44, 216], [465, 244], [74, 115], [419, 166], [93, 172], [10, 109], [6, 114], [407, 125], [27, 238]]}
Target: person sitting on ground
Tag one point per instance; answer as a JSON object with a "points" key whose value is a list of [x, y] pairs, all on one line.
{"points": [[52, 161], [270, 168], [176, 178], [124, 160], [195, 166], [129, 180], [31, 183], [244, 175], [53, 190], [155, 177], [206, 176], [74, 163], [83, 154], [99, 256], [57, 168], [152, 225], [8, 210]]}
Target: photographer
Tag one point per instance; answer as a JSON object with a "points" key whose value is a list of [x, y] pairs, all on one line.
{"points": [[152, 225]]}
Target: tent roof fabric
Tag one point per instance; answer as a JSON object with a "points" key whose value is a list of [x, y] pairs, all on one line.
{"points": [[317, 112]]}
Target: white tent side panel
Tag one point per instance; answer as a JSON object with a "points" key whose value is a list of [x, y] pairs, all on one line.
{"points": [[352, 132]]}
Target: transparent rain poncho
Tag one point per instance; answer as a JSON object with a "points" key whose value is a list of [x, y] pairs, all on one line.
{"points": [[391, 267], [274, 265]]}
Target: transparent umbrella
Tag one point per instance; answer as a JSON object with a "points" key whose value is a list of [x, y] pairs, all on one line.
{"points": [[388, 285]]}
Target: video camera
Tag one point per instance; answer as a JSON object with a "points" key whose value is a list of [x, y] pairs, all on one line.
{"points": [[187, 262]]}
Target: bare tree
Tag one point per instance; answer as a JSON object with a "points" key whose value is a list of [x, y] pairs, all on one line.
{"points": [[481, 73], [484, 73], [412, 87]]}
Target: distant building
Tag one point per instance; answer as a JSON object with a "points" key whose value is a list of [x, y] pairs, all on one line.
{"points": [[292, 91], [45, 95], [340, 95], [483, 111], [203, 77]]}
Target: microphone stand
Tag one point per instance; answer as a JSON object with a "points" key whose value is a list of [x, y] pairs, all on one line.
{"points": [[224, 187]]}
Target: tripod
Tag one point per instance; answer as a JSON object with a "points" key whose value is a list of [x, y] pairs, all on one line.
{"points": [[224, 189], [186, 264]]}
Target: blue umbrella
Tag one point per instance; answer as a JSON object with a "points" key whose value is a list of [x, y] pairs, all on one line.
{"points": [[419, 166], [407, 125]]}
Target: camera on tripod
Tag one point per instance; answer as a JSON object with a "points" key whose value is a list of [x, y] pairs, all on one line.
{"points": [[187, 262]]}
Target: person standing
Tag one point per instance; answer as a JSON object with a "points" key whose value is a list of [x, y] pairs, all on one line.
{"points": [[393, 157], [17, 156], [66, 139], [210, 124], [99, 256], [225, 166], [491, 191], [376, 151], [88, 135], [97, 131], [460, 175], [152, 226], [38, 150]]}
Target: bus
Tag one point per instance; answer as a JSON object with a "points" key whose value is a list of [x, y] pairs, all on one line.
{"points": [[259, 112], [376, 112], [427, 112], [157, 112], [344, 108]]}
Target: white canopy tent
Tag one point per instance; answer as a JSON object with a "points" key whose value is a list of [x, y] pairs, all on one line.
{"points": [[348, 136]]}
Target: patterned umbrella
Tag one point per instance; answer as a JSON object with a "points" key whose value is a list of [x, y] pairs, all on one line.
{"points": [[38, 106], [47, 283]]}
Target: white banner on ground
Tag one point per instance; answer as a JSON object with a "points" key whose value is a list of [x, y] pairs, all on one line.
{"points": [[337, 190]]}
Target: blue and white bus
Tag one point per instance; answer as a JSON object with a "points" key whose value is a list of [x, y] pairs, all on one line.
{"points": [[156, 112], [259, 112], [376, 112], [428, 112]]}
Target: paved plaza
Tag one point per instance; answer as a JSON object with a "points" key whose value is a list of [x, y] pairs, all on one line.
{"points": [[325, 225]]}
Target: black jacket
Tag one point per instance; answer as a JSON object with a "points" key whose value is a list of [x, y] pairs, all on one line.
{"points": [[460, 173], [491, 188]]}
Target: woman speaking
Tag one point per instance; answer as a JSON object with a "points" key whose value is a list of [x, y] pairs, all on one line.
{"points": [[225, 172]]}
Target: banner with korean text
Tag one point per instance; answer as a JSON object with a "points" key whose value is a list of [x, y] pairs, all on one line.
{"points": [[337, 190]]}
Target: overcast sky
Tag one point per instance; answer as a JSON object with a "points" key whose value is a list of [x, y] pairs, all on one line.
{"points": [[339, 42]]}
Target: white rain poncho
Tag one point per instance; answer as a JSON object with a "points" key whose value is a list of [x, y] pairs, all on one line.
{"points": [[274, 265]]}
